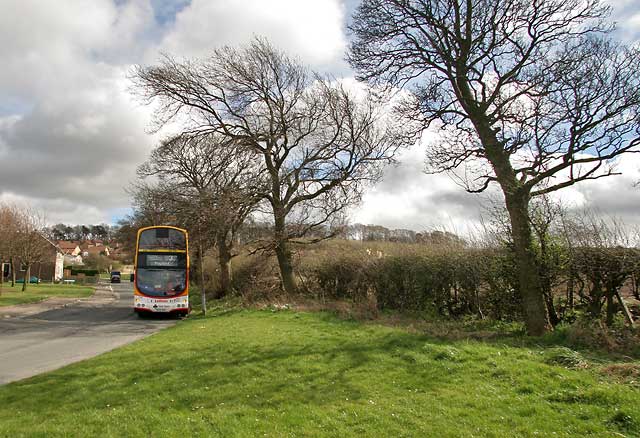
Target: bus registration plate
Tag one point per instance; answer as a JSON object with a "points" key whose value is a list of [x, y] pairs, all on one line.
{"points": [[164, 304]]}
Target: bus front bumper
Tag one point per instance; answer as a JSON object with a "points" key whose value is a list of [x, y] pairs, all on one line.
{"points": [[161, 305]]}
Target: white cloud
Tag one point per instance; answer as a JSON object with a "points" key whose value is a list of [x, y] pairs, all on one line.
{"points": [[310, 29], [76, 147], [76, 136], [615, 195], [71, 136], [409, 198], [60, 210]]}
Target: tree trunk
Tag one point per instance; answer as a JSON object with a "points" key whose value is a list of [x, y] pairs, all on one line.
{"points": [[13, 272], [27, 277], [635, 289], [285, 262], [203, 292], [554, 319], [283, 253], [595, 297], [570, 291], [627, 314], [544, 269], [224, 261], [529, 282], [611, 307], [517, 202]]}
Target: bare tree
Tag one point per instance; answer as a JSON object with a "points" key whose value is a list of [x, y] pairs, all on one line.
{"points": [[529, 95], [20, 237], [211, 187], [602, 260], [8, 236], [318, 142], [27, 244], [32, 246]]}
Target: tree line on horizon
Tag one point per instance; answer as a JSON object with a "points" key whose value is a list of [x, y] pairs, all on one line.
{"points": [[81, 232]]}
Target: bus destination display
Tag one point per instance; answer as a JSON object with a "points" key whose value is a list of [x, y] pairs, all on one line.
{"points": [[162, 261]]}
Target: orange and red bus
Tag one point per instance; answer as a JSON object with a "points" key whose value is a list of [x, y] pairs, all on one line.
{"points": [[161, 276]]}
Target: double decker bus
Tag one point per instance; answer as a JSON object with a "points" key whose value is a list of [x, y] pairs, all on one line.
{"points": [[161, 276]]}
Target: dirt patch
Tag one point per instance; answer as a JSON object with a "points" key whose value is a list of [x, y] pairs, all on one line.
{"points": [[623, 372]]}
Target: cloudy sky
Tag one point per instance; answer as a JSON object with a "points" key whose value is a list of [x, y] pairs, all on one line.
{"points": [[71, 135]]}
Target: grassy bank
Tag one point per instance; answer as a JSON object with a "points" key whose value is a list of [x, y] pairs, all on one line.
{"points": [[39, 292], [286, 374]]}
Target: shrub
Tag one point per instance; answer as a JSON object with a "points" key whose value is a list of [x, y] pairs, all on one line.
{"points": [[87, 272], [442, 280], [340, 276], [565, 357], [255, 277], [624, 421], [451, 281], [585, 332]]}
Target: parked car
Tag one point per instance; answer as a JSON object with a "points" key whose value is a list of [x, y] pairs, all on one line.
{"points": [[115, 276], [32, 280]]}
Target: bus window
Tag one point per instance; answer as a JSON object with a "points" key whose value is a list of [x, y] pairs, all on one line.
{"points": [[162, 238]]}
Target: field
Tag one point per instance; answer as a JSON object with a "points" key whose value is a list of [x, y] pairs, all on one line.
{"points": [[280, 373], [39, 292]]}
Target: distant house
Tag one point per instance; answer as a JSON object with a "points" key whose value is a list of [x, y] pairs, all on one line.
{"points": [[50, 267], [5, 270], [71, 251], [96, 250], [93, 247], [69, 247]]}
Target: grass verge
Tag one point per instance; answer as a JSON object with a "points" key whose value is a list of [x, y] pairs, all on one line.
{"points": [[288, 374], [38, 292]]}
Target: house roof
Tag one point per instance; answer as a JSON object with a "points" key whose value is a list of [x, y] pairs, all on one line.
{"points": [[90, 244], [52, 243], [94, 249], [65, 244]]}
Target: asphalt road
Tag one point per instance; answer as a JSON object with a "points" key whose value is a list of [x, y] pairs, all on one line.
{"points": [[33, 344]]}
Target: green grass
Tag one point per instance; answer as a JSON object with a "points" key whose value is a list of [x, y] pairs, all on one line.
{"points": [[38, 292], [287, 374]]}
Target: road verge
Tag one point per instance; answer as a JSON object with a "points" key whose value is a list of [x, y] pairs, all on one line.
{"points": [[102, 295]]}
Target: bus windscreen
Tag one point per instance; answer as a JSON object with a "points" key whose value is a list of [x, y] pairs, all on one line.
{"points": [[161, 282], [162, 238]]}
